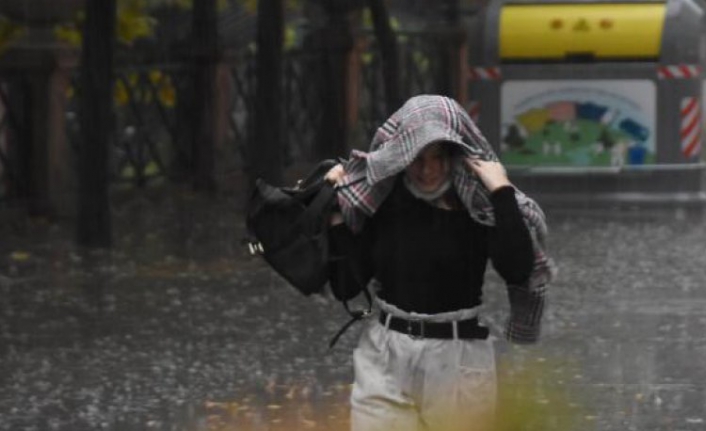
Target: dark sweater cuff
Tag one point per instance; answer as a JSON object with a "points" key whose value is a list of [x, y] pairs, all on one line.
{"points": [[503, 199]]}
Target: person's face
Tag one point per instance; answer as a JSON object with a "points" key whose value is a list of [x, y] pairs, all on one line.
{"points": [[430, 169]]}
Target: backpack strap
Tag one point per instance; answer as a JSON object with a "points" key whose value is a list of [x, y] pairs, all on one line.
{"points": [[318, 205], [356, 315]]}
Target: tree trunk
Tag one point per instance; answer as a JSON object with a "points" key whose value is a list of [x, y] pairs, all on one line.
{"points": [[337, 41], [205, 55], [448, 45], [19, 111], [265, 147], [94, 225], [388, 54]]}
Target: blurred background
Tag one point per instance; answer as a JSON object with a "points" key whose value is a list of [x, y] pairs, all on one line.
{"points": [[131, 132]]}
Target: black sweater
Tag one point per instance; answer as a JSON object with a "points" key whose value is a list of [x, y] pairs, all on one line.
{"points": [[428, 259]]}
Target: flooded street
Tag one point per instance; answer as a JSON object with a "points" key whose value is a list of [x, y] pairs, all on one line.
{"points": [[178, 328]]}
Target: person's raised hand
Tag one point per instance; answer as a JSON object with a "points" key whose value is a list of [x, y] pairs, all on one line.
{"points": [[492, 174], [335, 174]]}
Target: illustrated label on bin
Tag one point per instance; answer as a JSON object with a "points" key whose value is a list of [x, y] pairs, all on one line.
{"points": [[578, 123]]}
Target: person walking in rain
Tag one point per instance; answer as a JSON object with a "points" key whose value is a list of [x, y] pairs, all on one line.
{"points": [[419, 217]]}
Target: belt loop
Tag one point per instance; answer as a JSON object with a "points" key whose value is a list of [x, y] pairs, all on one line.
{"points": [[388, 317], [454, 325]]}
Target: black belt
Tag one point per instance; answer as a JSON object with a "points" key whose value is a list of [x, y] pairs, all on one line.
{"points": [[467, 329]]}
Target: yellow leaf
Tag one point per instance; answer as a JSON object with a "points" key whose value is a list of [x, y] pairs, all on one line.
{"points": [[367, 18], [20, 256], [69, 34], [151, 169], [394, 24], [155, 76], [128, 172], [167, 95], [120, 94], [133, 21], [290, 37], [250, 5]]}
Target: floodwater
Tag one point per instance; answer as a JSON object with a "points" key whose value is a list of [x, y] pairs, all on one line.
{"points": [[178, 328]]}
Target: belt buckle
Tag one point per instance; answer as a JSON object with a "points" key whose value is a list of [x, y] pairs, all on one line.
{"points": [[421, 329]]}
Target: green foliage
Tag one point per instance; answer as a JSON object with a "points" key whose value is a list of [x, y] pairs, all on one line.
{"points": [[248, 5], [183, 4], [251, 5], [367, 21], [133, 23], [145, 88], [9, 31]]}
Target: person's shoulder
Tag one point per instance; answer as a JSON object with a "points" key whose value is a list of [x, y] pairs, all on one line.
{"points": [[396, 199]]}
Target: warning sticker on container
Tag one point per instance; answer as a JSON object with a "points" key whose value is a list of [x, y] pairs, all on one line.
{"points": [[578, 123]]}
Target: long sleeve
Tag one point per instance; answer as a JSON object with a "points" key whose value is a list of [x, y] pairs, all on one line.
{"points": [[510, 243], [350, 266], [515, 257]]}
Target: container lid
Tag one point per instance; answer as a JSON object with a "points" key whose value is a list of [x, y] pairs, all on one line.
{"points": [[596, 31]]}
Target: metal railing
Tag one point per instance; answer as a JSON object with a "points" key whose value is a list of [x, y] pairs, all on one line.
{"points": [[147, 142], [419, 68], [301, 105], [145, 134], [242, 97]]}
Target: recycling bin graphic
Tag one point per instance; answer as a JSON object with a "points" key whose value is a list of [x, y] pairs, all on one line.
{"points": [[593, 100]]}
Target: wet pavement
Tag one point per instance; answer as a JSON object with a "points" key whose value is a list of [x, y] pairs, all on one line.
{"points": [[177, 328]]}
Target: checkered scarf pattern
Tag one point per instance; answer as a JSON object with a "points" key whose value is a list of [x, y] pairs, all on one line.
{"points": [[421, 121]]}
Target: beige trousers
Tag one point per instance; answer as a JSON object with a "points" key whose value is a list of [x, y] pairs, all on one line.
{"points": [[410, 384]]}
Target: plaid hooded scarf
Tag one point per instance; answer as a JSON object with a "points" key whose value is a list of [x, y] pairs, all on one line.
{"points": [[422, 120]]}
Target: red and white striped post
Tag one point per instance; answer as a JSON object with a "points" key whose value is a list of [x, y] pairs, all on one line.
{"points": [[690, 129], [679, 71], [484, 73]]}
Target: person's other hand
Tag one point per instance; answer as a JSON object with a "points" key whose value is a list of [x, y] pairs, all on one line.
{"points": [[492, 174], [335, 174]]}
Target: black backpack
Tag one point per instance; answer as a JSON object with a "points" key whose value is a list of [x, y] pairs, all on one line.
{"points": [[288, 226]]}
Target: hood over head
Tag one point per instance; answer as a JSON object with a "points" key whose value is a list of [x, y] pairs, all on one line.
{"points": [[421, 121]]}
